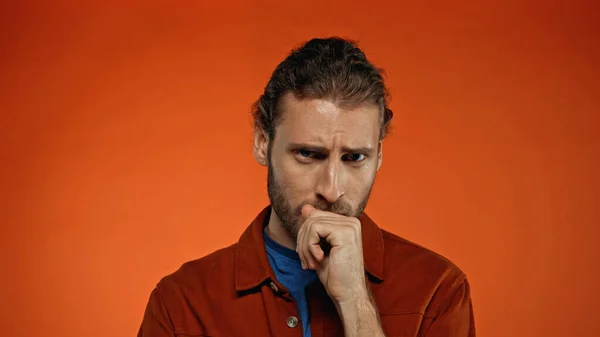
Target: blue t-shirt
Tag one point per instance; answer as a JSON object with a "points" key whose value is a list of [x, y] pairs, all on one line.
{"points": [[288, 270]]}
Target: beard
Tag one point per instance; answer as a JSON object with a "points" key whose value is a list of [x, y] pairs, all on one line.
{"points": [[290, 216]]}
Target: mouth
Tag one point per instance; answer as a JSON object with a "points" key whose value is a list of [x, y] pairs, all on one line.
{"points": [[339, 208]]}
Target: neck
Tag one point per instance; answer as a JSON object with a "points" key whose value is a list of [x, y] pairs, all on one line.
{"points": [[278, 233]]}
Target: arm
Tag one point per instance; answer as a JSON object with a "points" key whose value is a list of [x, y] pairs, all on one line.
{"points": [[156, 322], [342, 270], [456, 320], [360, 318]]}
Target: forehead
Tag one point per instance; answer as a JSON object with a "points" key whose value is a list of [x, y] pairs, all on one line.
{"points": [[322, 121]]}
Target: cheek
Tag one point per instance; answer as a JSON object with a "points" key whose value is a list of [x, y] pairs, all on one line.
{"points": [[296, 179], [360, 182]]}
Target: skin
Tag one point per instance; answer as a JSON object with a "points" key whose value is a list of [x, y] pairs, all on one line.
{"points": [[322, 165]]}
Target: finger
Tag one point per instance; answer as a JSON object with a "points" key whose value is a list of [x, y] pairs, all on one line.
{"points": [[321, 230], [306, 259], [307, 210], [299, 244], [325, 235], [320, 238], [316, 251], [309, 259]]}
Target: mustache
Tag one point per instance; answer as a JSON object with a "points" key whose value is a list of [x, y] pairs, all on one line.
{"points": [[339, 207]]}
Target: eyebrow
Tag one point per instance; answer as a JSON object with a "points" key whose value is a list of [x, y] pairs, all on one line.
{"points": [[323, 149]]}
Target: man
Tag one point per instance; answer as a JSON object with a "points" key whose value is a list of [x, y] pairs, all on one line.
{"points": [[312, 263]]}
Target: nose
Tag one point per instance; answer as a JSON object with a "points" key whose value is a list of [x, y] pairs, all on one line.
{"points": [[331, 181]]}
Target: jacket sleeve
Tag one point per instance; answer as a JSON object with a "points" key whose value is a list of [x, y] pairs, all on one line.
{"points": [[457, 319], [156, 321]]}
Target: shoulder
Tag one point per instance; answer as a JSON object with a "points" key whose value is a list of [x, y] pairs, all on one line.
{"points": [[184, 299], [406, 254], [417, 279], [210, 272]]}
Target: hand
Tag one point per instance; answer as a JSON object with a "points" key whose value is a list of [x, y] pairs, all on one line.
{"points": [[342, 271]]}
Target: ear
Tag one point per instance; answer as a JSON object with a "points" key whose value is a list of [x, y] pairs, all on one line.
{"points": [[261, 146], [380, 155]]}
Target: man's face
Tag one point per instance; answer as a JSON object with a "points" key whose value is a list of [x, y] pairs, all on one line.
{"points": [[321, 155]]}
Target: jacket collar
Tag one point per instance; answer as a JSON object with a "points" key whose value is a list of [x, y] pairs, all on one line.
{"points": [[252, 264]]}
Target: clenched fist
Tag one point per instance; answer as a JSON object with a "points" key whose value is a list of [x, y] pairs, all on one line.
{"points": [[342, 270]]}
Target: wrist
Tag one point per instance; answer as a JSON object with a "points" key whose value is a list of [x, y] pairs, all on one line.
{"points": [[357, 299], [359, 315]]}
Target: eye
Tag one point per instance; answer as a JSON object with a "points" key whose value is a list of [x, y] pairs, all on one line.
{"points": [[355, 157], [306, 156], [304, 153]]}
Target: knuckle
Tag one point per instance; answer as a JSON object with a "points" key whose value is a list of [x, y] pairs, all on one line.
{"points": [[348, 231]]}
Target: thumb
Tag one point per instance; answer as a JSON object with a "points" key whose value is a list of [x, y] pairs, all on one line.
{"points": [[306, 210]]}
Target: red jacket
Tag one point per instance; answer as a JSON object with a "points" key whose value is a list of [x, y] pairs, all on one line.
{"points": [[233, 292]]}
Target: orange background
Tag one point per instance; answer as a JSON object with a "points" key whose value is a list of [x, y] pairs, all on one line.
{"points": [[126, 149]]}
